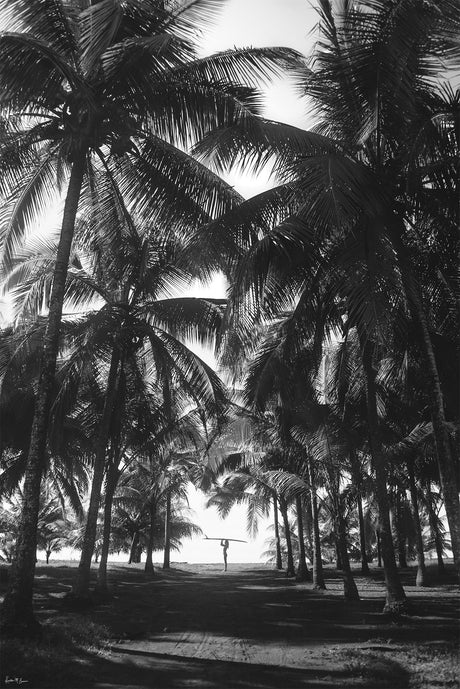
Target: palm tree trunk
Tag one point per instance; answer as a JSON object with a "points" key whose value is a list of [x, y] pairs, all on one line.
{"points": [[362, 535], [303, 573], [420, 579], [111, 484], [350, 590], [446, 461], [149, 569], [167, 553], [379, 548], [17, 611], [134, 547], [82, 582], [395, 596], [400, 532], [434, 529], [290, 570], [338, 554], [356, 473], [279, 560], [318, 573]]}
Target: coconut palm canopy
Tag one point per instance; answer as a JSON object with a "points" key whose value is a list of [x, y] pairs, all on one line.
{"points": [[341, 322]]}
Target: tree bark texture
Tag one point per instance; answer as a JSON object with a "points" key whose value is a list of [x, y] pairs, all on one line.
{"points": [[17, 611]]}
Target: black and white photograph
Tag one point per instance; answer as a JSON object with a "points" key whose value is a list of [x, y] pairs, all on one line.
{"points": [[230, 344]]}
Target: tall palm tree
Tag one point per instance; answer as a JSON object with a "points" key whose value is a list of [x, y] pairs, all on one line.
{"points": [[114, 86]]}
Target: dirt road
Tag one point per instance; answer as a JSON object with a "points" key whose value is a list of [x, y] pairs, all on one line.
{"points": [[252, 627]]}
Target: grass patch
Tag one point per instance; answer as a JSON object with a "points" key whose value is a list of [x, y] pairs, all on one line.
{"points": [[61, 658], [436, 666], [377, 668], [431, 666]]}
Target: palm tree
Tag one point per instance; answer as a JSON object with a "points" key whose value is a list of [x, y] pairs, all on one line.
{"points": [[114, 86], [245, 451], [140, 493], [126, 320], [368, 180]]}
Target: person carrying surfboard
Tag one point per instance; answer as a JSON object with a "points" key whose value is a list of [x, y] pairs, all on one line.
{"points": [[225, 544]]}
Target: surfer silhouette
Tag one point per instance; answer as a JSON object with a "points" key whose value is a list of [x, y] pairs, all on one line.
{"points": [[225, 544]]}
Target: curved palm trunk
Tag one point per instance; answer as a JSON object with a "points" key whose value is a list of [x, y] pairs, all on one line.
{"points": [[112, 480], [290, 570], [82, 582], [420, 579], [350, 590], [446, 461], [279, 560], [303, 573], [167, 553], [395, 596], [17, 611], [149, 569]]}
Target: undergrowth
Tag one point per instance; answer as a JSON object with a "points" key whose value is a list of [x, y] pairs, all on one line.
{"points": [[417, 667], [61, 658]]}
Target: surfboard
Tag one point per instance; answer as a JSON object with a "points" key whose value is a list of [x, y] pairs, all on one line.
{"points": [[237, 540]]}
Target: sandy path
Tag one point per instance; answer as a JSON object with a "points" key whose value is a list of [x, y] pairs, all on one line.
{"points": [[252, 628]]}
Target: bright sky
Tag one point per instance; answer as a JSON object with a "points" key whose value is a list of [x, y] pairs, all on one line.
{"points": [[259, 23], [247, 23]]}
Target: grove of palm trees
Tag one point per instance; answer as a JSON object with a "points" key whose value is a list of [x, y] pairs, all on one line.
{"points": [[332, 408]]}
